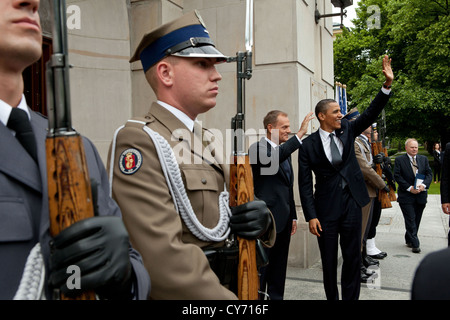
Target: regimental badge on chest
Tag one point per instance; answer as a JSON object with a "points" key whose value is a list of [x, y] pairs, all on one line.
{"points": [[130, 161]]}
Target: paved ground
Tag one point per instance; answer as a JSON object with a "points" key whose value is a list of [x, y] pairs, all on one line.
{"points": [[396, 271]]}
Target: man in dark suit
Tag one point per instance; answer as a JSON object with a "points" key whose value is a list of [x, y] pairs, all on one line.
{"points": [[333, 210], [108, 265], [412, 194], [273, 181], [445, 188]]}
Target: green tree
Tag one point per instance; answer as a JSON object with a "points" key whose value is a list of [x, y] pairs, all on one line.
{"points": [[416, 35]]}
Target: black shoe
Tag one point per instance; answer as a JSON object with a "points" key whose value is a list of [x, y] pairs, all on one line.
{"points": [[409, 244], [366, 271], [416, 250], [364, 278], [368, 261], [365, 274], [379, 256]]}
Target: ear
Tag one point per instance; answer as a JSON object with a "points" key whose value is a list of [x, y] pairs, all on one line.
{"points": [[164, 72], [269, 128], [321, 116]]}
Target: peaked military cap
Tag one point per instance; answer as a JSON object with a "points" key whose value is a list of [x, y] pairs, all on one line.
{"points": [[184, 37], [352, 114]]}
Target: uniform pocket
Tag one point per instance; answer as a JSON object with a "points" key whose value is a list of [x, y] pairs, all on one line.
{"points": [[201, 178], [202, 189], [15, 223]]}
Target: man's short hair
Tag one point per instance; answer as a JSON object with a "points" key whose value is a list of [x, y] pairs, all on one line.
{"points": [[322, 106], [272, 117], [409, 140]]}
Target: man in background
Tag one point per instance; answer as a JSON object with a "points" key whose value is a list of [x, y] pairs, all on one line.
{"points": [[273, 180], [413, 174]]}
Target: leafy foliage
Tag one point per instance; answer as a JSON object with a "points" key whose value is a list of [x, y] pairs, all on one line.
{"points": [[416, 35]]}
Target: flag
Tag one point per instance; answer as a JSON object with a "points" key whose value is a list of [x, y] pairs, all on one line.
{"points": [[337, 93], [344, 100]]}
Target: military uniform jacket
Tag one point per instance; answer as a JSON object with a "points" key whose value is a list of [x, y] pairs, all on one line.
{"points": [[24, 217], [373, 181], [172, 254]]}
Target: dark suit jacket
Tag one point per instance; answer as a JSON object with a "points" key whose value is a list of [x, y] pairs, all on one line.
{"points": [[271, 182], [445, 190], [405, 178], [431, 279], [311, 156], [24, 217]]}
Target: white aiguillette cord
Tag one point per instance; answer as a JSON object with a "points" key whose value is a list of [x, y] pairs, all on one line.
{"points": [[31, 285], [175, 183]]}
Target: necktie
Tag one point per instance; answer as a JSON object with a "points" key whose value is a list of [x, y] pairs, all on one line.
{"points": [[336, 157], [414, 165], [18, 121], [287, 169]]}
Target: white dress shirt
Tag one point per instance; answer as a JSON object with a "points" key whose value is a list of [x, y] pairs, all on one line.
{"points": [[5, 109], [325, 136]]}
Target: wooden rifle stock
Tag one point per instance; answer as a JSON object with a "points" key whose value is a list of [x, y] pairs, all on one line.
{"points": [[241, 191], [241, 180], [392, 195], [382, 195], [69, 189]]}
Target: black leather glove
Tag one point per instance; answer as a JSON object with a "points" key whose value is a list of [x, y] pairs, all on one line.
{"points": [[250, 220], [386, 189], [379, 158], [392, 184], [99, 247]]}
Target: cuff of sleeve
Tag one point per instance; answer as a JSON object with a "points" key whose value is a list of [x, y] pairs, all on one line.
{"points": [[385, 91]]}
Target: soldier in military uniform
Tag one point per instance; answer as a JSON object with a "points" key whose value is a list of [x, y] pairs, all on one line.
{"points": [[109, 265], [179, 63]]}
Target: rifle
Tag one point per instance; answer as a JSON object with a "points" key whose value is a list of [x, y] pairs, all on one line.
{"points": [[241, 181], [382, 195], [389, 177], [69, 189], [377, 147]]}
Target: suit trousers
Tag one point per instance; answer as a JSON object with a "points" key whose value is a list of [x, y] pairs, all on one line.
{"points": [[376, 215], [273, 276], [346, 231], [366, 221], [412, 214]]}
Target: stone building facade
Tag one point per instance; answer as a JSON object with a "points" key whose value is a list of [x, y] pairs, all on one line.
{"points": [[292, 67]]}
